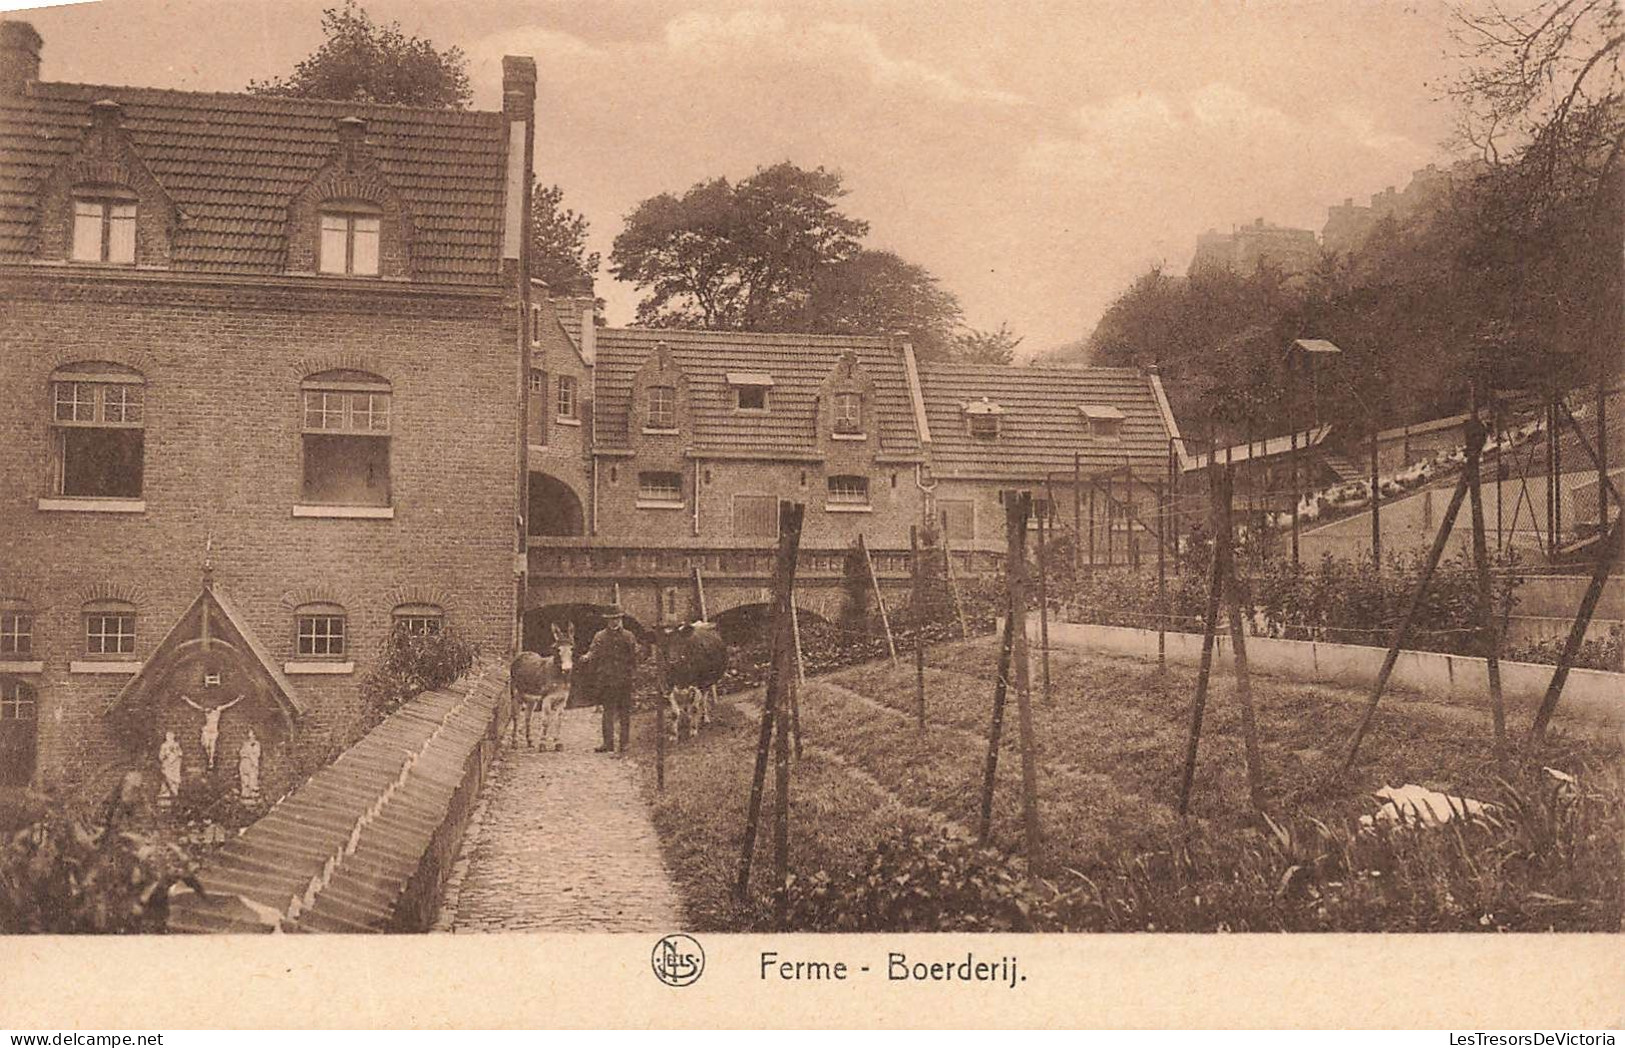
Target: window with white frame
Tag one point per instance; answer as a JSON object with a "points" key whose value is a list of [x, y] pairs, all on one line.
{"points": [[849, 412], [319, 631], [419, 620], [19, 725], [662, 408], [98, 419], [109, 628], [567, 397], [350, 234], [16, 631], [849, 491], [660, 488], [104, 229], [346, 434]]}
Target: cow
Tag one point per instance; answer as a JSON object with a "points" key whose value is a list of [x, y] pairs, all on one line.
{"points": [[695, 657], [534, 680]]}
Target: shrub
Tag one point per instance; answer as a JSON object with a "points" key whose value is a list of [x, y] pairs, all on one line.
{"points": [[926, 883], [414, 663], [1607, 653], [64, 874]]}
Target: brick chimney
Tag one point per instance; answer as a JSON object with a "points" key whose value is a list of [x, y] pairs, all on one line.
{"points": [[519, 106], [19, 56]]}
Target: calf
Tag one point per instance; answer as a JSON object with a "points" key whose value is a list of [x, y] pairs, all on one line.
{"points": [[695, 658]]}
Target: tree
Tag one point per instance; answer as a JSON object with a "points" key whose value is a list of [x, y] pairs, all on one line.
{"points": [[362, 61], [738, 257], [985, 347], [877, 292], [558, 244]]}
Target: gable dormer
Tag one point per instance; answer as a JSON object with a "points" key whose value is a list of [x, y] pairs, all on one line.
{"points": [[102, 205], [982, 419], [349, 220], [846, 410], [660, 401]]}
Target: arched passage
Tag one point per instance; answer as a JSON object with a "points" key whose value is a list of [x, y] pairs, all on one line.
{"points": [[748, 623], [554, 508]]}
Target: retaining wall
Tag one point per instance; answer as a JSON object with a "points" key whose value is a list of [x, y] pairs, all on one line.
{"points": [[1591, 696], [366, 844]]}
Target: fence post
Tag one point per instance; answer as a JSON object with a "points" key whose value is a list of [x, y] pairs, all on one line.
{"points": [[1162, 585], [1218, 493], [1571, 647], [1077, 513], [1481, 560], [880, 599], [1402, 631], [948, 575], [660, 703], [1043, 605], [919, 635], [784, 568], [1001, 686], [1017, 508], [1238, 645], [1376, 501]]}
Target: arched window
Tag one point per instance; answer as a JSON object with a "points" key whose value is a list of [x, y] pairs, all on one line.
{"points": [[319, 631], [346, 428], [350, 231], [103, 225], [109, 628], [419, 619], [98, 419]]}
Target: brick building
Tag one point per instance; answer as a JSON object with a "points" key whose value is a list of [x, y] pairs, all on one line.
{"points": [[259, 393]]}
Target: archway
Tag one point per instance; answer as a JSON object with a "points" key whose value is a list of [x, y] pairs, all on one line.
{"points": [[555, 509], [748, 623]]}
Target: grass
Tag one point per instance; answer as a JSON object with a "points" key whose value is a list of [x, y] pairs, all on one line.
{"points": [[1110, 746]]}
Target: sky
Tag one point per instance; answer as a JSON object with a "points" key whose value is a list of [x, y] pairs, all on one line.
{"points": [[1035, 155]]}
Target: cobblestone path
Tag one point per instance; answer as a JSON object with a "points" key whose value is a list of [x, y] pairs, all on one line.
{"points": [[561, 842]]}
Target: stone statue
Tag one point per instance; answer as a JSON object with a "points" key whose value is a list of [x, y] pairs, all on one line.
{"points": [[210, 736], [248, 769], [169, 762]]}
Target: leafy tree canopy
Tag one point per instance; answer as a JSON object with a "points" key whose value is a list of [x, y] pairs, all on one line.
{"points": [[774, 252], [558, 244], [363, 61]]}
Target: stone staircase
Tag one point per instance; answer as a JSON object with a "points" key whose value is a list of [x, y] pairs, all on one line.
{"points": [[1347, 472]]}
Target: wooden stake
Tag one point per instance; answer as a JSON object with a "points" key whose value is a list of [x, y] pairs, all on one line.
{"points": [[1571, 647], [781, 793], [1402, 631], [699, 594], [994, 733], [1043, 603], [948, 574], [1376, 502], [1205, 668], [880, 599], [919, 633], [1017, 509], [1162, 584], [784, 568], [1077, 513], [1238, 644], [795, 630], [1481, 560], [660, 704], [1297, 494]]}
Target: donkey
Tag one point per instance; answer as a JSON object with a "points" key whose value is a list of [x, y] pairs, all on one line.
{"points": [[537, 681]]}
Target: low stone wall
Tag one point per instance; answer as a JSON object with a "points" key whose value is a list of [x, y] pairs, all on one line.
{"points": [[366, 844], [1591, 696]]}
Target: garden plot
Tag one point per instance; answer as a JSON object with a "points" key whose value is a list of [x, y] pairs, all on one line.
{"points": [[1110, 744]]}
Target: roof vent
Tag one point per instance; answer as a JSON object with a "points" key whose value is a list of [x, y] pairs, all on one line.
{"points": [[104, 112], [352, 137]]}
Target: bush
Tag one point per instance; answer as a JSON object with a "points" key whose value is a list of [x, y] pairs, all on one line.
{"points": [[413, 663], [926, 883], [64, 874], [1605, 654]]}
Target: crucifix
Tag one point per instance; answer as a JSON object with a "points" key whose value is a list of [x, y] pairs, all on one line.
{"points": [[211, 723]]}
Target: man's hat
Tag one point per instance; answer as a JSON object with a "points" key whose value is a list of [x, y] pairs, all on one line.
{"points": [[611, 611]]}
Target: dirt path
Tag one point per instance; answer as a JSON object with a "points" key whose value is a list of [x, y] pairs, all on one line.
{"points": [[561, 842]]}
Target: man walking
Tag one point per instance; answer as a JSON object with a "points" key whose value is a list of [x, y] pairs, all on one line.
{"points": [[614, 659]]}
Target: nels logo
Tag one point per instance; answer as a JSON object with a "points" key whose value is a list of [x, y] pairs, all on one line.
{"points": [[677, 960]]}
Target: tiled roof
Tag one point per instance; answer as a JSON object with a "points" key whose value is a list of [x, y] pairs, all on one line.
{"points": [[231, 164], [798, 364], [1041, 424]]}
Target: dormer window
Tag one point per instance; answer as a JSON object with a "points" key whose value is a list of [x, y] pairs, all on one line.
{"points": [[750, 389], [662, 408], [1103, 421], [982, 419], [849, 412], [104, 228], [349, 244]]}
